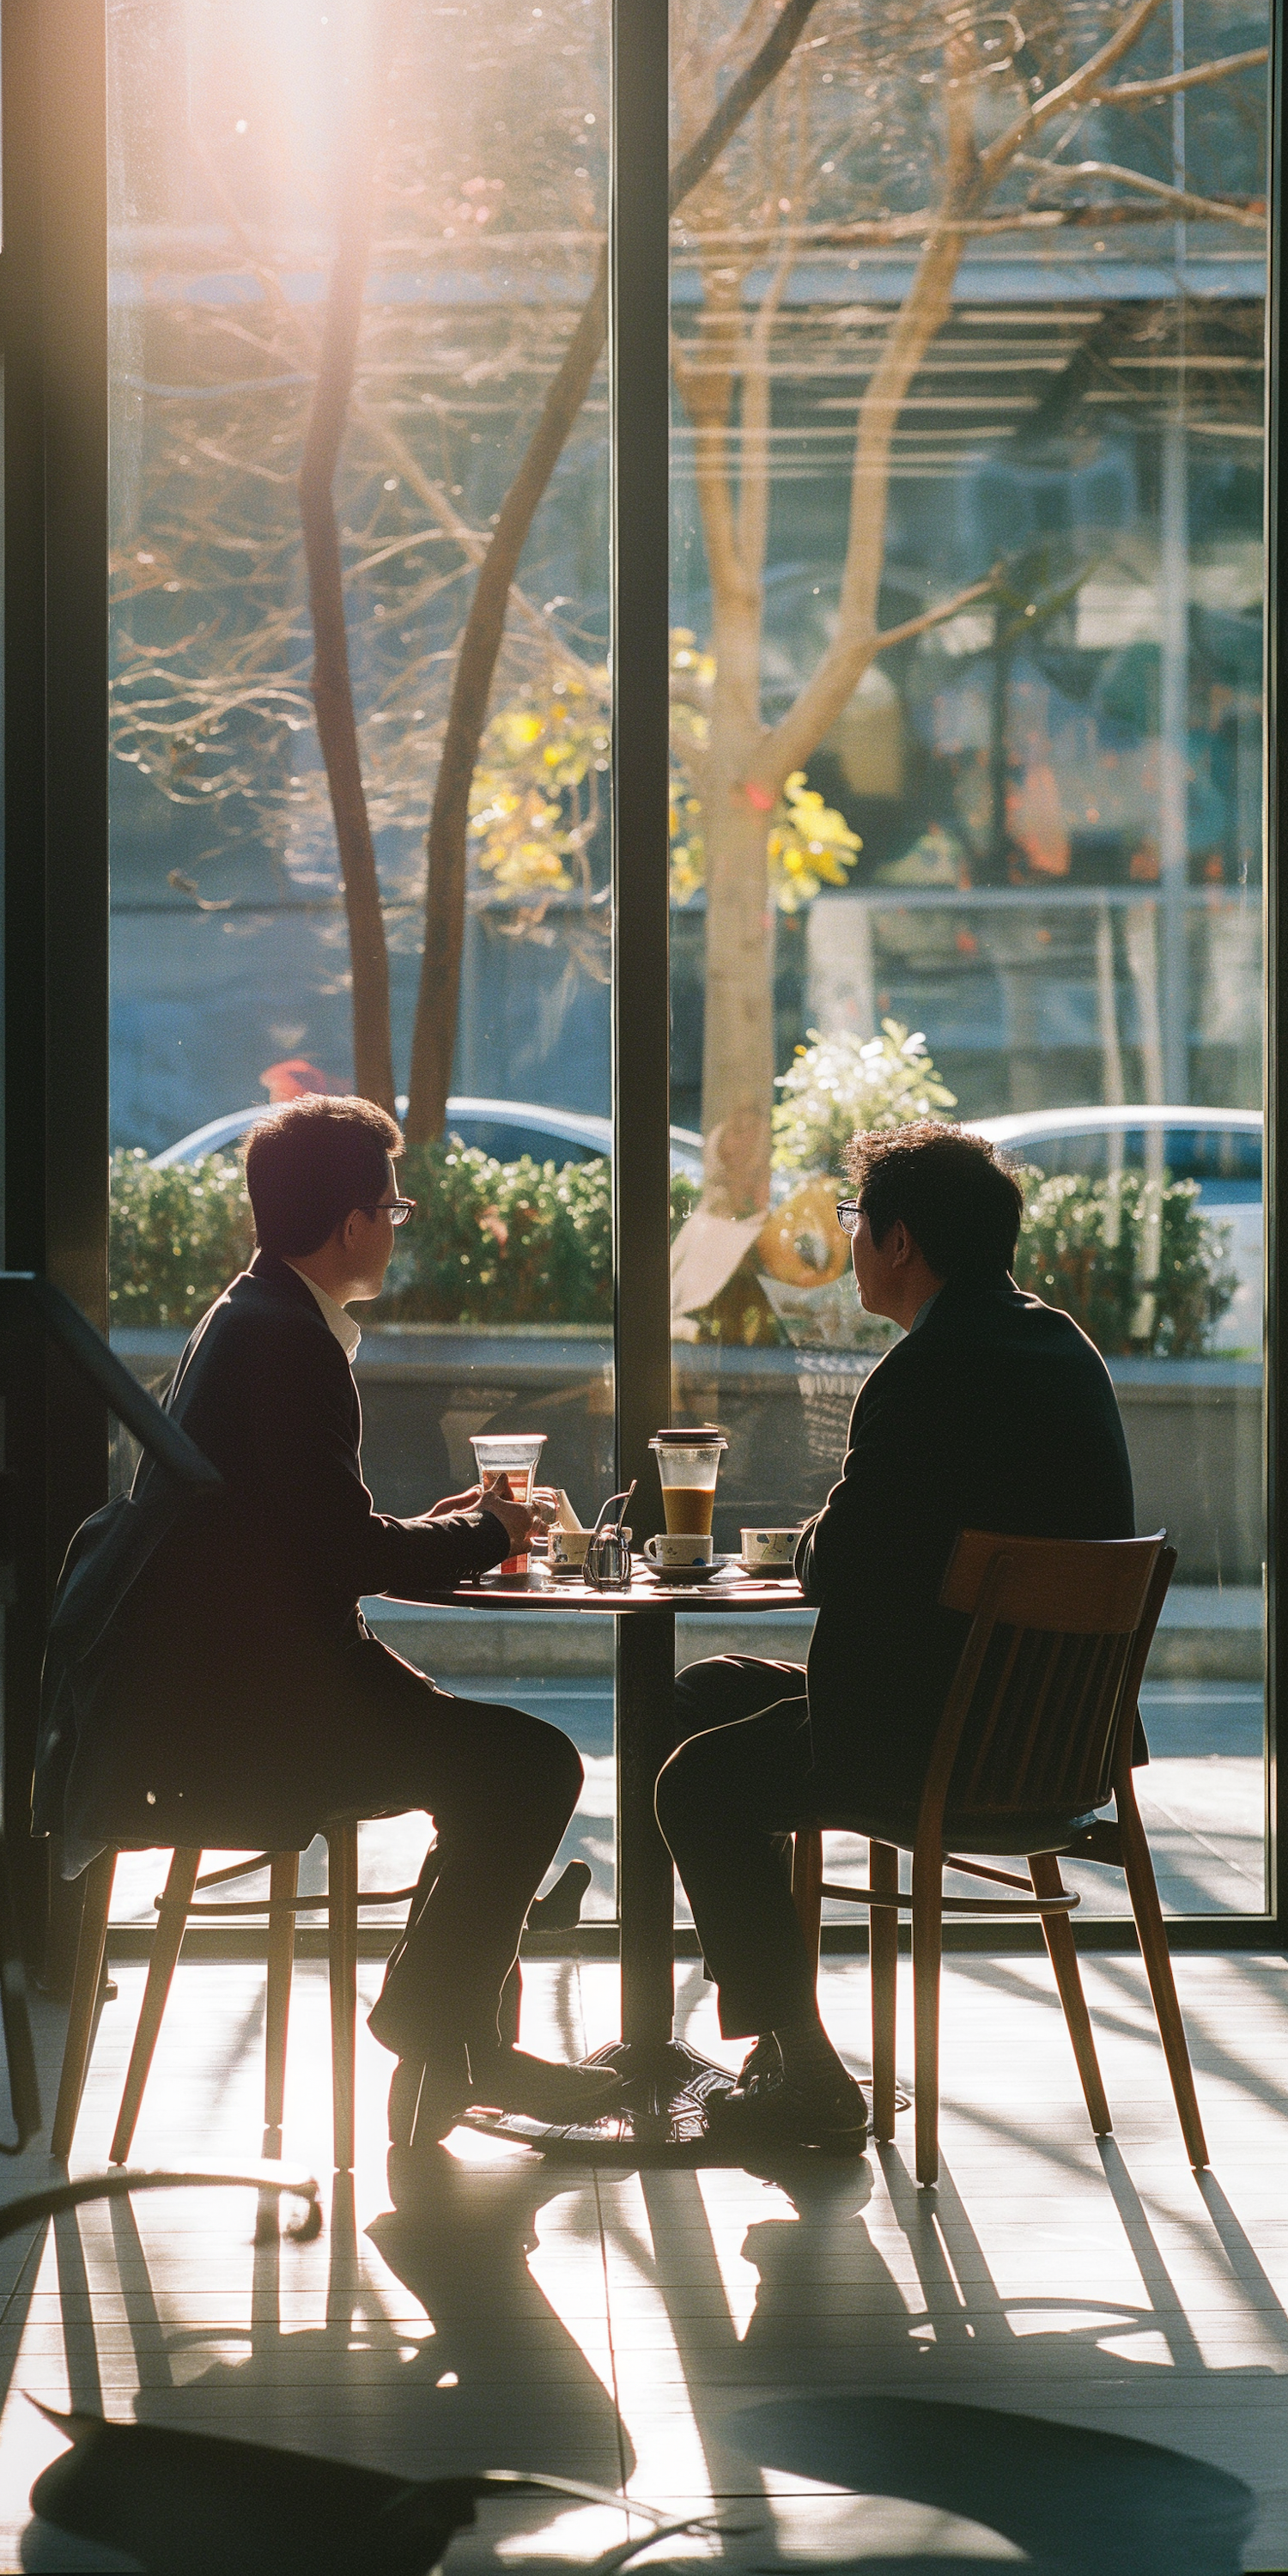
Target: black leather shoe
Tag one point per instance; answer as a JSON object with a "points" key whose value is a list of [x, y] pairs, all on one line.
{"points": [[770, 2108], [426, 2101], [507, 2079]]}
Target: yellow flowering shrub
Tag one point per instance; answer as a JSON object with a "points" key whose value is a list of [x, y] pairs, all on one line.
{"points": [[535, 801]]}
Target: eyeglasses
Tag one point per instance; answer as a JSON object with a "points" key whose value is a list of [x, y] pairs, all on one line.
{"points": [[848, 1212], [397, 1210]]}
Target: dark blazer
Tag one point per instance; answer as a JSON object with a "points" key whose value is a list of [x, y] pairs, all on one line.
{"points": [[192, 1677], [994, 1413]]}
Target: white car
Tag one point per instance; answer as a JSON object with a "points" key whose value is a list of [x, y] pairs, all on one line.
{"points": [[505, 1128], [1221, 1149]]}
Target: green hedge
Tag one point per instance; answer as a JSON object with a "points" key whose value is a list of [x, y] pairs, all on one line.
{"points": [[176, 1237], [490, 1243], [501, 1243], [531, 1243], [1132, 1260]]}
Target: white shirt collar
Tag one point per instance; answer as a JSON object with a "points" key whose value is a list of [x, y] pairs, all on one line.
{"points": [[347, 1333]]}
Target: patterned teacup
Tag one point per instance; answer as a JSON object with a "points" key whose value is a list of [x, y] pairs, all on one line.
{"points": [[769, 1551], [672, 1548], [568, 1550]]}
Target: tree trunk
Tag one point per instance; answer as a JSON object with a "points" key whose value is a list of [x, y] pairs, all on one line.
{"points": [[332, 682], [748, 767], [738, 1027], [438, 999], [738, 1052]]}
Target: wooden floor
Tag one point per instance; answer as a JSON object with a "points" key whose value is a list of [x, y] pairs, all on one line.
{"points": [[715, 2341]]}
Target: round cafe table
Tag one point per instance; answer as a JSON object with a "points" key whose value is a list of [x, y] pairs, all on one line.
{"points": [[667, 2086]]}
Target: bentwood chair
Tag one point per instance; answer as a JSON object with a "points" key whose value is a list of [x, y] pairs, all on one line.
{"points": [[175, 1909], [1035, 1736]]}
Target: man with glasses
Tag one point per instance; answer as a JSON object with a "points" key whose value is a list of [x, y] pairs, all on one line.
{"points": [[227, 1691], [993, 1412]]}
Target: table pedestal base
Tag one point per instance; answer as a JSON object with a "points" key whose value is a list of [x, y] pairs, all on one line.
{"points": [[663, 2116], [668, 2093]]}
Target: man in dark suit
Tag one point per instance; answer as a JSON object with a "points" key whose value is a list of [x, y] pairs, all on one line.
{"points": [[211, 1680], [994, 1412]]}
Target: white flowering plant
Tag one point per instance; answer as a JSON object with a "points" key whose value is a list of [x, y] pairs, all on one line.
{"points": [[836, 1085]]}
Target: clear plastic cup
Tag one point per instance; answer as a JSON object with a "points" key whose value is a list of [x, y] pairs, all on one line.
{"points": [[513, 1455], [688, 1463]]}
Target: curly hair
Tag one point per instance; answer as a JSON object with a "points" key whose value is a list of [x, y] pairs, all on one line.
{"points": [[310, 1163], [960, 1203]]}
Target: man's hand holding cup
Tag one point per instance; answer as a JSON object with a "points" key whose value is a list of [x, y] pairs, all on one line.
{"points": [[518, 1520]]}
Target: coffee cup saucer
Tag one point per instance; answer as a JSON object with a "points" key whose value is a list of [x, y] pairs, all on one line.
{"points": [[689, 1574]]}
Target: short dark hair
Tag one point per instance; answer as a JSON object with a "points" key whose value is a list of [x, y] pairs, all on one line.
{"points": [[311, 1162], [961, 1205]]}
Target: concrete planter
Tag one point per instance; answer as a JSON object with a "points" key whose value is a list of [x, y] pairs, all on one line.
{"points": [[1193, 1426], [1193, 1430]]}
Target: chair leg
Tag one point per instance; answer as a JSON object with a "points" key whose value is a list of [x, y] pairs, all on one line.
{"points": [[927, 1946], [283, 1886], [90, 1946], [1152, 1936], [167, 1941], [883, 1951], [807, 1888], [342, 1942], [1044, 1870]]}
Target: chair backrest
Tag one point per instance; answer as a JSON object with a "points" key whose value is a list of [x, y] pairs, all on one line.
{"points": [[1164, 1569], [1034, 1712]]}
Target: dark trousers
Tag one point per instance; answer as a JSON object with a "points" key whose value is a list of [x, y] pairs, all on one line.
{"points": [[740, 1782], [500, 1786]]}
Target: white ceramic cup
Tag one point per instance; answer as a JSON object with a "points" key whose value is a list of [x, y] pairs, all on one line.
{"points": [[568, 1550], [677, 1548], [764, 1550]]}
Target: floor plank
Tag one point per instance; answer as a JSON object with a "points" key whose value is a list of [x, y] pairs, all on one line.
{"points": [[690, 2337]]}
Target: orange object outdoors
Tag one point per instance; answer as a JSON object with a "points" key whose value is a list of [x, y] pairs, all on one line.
{"points": [[295, 1076], [801, 1242]]}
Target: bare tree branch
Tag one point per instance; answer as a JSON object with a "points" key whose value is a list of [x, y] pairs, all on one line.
{"points": [[788, 744], [474, 544], [1178, 201], [931, 617], [1130, 91], [879, 230], [1073, 92], [740, 98], [970, 178], [438, 997]]}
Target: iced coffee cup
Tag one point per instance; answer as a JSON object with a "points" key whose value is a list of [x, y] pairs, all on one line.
{"points": [[513, 1456], [688, 1463]]}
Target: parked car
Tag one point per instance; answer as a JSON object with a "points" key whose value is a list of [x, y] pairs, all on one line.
{"points": [[504, 1128], [1220, 1149]]}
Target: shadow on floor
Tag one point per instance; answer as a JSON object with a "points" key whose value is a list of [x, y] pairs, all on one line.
{"points": [[1082, 2503], [499, 2381], [829, 2313]]}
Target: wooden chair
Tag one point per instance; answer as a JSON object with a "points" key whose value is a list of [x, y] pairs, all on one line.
{"points": [[1036, 1733], [175, 1909]]}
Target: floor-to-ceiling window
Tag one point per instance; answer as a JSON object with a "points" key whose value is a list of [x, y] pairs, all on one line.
{"points": [[967, 722]]}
